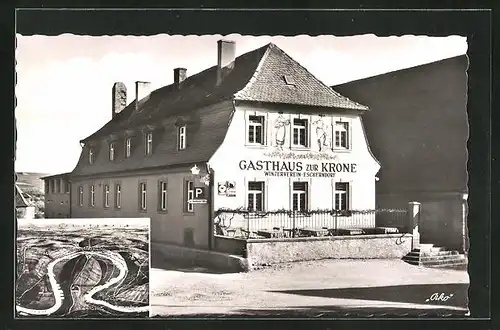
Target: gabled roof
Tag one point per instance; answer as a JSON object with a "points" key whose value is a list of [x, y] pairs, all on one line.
{"points": [[269, 84], [257, 76], [20, 200], [60, 175]]}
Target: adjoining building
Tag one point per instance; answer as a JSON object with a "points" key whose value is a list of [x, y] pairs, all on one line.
{"points": [[418, 130], [259, 129], [24, 208], [57, 196]]}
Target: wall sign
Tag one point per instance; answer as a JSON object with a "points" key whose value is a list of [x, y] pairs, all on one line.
{"points": [[297, 168], [227, 188], [200, 196]]}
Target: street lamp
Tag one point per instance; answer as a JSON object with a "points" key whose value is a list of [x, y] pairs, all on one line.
{"points": [[195, 170]]}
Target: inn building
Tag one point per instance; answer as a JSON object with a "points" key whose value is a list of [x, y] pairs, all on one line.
{"points": [[256, 132]]}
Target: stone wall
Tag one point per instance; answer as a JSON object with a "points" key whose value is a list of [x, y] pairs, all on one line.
{"points": [[236, 246], [261, 252], [273, 251]]}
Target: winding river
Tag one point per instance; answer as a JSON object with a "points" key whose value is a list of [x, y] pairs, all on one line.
{"points": [[116, 258]]}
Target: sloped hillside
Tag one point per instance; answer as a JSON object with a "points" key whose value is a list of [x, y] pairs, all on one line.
{"points": [[30, 180]]}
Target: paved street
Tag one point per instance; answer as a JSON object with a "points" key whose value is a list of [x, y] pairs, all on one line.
{"points": [[329, 288]]}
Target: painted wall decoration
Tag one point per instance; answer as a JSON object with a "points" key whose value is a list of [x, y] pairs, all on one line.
{"points": [[280, 154], [205, 179], [322, 137], [280, 134]]}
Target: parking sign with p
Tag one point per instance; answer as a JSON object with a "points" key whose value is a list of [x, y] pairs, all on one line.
{"points": [[199, 193], [200, 196]]}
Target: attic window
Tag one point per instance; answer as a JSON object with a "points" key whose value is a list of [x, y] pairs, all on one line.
{"points": [[289, 80], [91, 156], [128, 145], [181, 137], [148, 143]]}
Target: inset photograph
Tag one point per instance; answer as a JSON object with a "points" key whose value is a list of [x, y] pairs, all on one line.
{"points": [[77, 268]]}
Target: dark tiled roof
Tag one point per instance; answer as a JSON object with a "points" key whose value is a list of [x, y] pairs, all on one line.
{"points": [[55, 176], [204, 135], [197, 91], [257, 76], [268, 85]]}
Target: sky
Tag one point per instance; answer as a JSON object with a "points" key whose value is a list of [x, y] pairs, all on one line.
{"points": [[63, 87]]}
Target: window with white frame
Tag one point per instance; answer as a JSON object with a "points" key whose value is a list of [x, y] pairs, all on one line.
{"points": [[80, 196], [163, 196], [67, 187], [256, 129], [188, 195], [300, 136], [149, 143], [299, 196], [112, 151], [118, 196], [342, 135], [91, 156], [92, 196], [181, 137], [143, 196], [58, 185], [342, 196], [53, 186], [106, 195], [128, 146], [255, 196]]}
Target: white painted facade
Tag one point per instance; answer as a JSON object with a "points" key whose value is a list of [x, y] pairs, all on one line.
{"points": [[277, 162]]}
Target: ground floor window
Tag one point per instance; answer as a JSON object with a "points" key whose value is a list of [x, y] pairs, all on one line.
{"points": [[341, 196], [106, 196], [300, 196], [142, 196], [92, 196], [118, 196], [188, 195], [162, 196], [255, 196], [80, 196]]}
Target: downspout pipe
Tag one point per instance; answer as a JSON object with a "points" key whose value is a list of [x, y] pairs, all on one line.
{"points": [[211, 212], [70, 198]]}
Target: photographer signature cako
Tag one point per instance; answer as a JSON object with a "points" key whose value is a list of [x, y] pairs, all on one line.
{"points": [[439, 297]]}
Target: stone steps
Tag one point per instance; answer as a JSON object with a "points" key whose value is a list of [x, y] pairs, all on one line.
{"points": [[428, 255]]}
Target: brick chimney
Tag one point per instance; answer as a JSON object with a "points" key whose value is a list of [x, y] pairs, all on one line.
{"points": [[119, 101], [179, 75], [226, 54], [142, 90]]}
